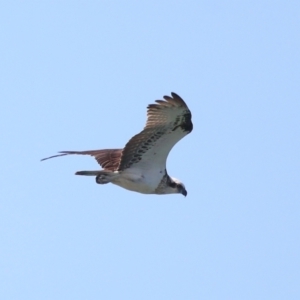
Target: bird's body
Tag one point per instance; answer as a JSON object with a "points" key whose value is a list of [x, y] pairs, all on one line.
{"points": [[142, 182], [141, 165]]}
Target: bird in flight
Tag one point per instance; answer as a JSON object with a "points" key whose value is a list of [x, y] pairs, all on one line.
{"points": [[141, 165]]}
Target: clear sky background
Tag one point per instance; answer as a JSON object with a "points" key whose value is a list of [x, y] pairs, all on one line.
{"points": [[78, 75]]}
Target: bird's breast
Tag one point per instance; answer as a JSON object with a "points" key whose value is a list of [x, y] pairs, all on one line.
{"points": [[139, 181]]}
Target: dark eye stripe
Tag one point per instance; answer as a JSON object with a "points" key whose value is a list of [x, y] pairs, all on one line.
{"points": [[173, 184]]}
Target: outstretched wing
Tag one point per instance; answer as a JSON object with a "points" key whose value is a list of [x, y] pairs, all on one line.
{"points": [[108, 159], [168, 122]]}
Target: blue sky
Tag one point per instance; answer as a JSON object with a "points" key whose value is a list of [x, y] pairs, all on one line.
{"points": [[78, 75]]}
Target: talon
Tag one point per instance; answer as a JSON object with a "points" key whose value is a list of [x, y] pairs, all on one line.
{"points": [[101, 179]]}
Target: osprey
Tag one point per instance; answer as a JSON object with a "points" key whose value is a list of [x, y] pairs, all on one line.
{"points": [[141, 165]]}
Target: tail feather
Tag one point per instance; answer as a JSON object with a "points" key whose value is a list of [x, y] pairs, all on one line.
{"points": [[88, 173], [102, 176]]}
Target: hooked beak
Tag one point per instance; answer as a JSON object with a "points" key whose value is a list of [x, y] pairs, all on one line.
{"points": [[184, 192]]}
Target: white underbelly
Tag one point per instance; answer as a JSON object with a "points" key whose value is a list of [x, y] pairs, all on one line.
{"points": [[136, 181], [132, 186]]}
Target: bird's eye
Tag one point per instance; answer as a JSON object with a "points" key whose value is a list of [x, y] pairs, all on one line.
{"points": [[173, 185]]}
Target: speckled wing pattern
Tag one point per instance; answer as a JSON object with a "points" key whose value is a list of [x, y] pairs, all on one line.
{"points": [[168, 121], [108, 159]]}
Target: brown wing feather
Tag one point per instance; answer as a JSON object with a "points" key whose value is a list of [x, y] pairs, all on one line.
{"points": [[108, 159], [168, 121]]}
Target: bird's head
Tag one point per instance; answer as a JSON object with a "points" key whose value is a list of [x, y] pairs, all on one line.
{"points": [[177, 186]]}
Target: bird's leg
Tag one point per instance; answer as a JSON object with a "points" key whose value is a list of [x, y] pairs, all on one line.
{"points": [[106, 176], [102, 179]]}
